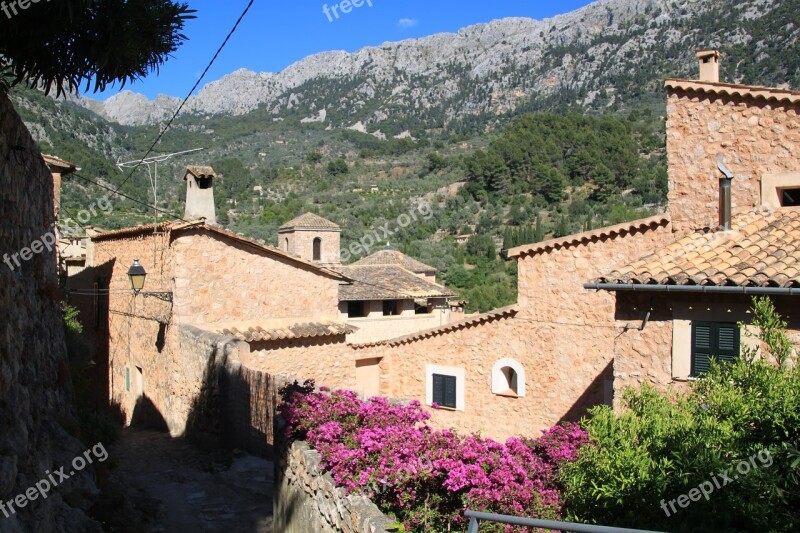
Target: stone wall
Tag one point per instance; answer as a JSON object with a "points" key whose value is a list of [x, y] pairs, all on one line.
{"points": [[138, 339], [328, 361], [218, 280], [756, 137], [306, 499], [301, 244], [562, 335], [645, 350], [36, 416]]}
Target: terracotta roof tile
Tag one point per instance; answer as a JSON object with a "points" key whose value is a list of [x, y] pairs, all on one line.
{"points": [[199, 171], [393, 257], [650, 223], [503, 312], [753, 92], [175, 227], [288, 329], [309, 221], [761, 250], [387, 282]]}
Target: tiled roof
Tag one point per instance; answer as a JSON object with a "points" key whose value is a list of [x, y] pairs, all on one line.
{"points": [[201, 171], [503, 312], [201, 225], [754, 92], [59, 163], [309, 221], [762, 249], [651, 223], [273, 330], [393, 257], [387, 282]]}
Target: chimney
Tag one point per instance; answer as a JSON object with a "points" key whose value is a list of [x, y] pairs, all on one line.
{"points": [[709, 65], [200, 194]]}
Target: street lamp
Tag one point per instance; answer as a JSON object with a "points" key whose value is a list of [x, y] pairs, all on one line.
{"points": [[137, 276]]}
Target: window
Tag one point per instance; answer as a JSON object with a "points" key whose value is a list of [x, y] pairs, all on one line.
{"points": [[444, 386], [790, 197], [357, 309], [720, 340], [286, 244], [508, 378], [391, 308], [423, 309], [444, 390], [204, 183], [127, 379], [317, 249]]}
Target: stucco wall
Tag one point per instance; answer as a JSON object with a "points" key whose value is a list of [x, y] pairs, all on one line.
{"points": [[306, 499], [756, 138], [35, 398], [218, 280]]}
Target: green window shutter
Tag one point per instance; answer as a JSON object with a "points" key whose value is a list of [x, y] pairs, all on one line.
{"points": [[720, 340], [444, 390], [450, 391], [127, 379], [728, 345]]}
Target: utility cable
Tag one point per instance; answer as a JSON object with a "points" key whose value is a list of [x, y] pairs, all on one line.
{"points": [[188, 95]]}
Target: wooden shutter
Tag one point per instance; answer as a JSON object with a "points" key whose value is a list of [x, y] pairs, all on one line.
{"points": [[450, 392], [444, 390], [728, 342], [720, 340]]}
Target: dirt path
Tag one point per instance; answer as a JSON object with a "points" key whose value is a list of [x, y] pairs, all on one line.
{"points": [[157, 483]]}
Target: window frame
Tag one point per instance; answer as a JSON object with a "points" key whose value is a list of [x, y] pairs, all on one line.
{"points": [[500, 381], [452, 372]]}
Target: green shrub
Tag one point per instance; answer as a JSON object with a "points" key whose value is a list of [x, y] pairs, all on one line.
{"points": [[661, 446]]}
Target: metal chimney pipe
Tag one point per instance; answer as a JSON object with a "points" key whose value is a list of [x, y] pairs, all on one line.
{"points": [[725, 203]]}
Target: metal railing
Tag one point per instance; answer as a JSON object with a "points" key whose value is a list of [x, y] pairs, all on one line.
{"points": [[475, 518]]}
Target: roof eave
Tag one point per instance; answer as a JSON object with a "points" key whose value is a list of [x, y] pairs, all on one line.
{"points": [[707, 289]]}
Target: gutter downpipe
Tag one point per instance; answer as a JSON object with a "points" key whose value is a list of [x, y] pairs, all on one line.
{"points": [[709, 289]]}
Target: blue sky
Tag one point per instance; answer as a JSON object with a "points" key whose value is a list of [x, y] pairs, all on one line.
{"points": [[275, 34]]}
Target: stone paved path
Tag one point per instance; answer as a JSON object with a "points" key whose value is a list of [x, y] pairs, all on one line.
{"points": [[159, 484]]}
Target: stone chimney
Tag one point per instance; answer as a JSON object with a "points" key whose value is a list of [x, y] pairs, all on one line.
{"points": [[200, 194], [709, 65]]}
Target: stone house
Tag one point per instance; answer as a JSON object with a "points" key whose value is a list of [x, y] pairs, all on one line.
{"points": [[585, 325], [389, 293], [737, 220], [392, 294], [201, 276]]}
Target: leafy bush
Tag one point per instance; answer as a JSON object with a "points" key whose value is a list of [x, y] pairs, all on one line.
{"points": [[662, 446], [424, 477]]}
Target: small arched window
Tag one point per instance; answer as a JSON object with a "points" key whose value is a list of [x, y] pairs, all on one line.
{"points": [[317, 249], [508, 378], [286, 244]]}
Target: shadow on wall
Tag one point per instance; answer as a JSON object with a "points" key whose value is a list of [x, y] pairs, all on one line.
{"points": [[236, 407], [598, 393], [147, 416]]}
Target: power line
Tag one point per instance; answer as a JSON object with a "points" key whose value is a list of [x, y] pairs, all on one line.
{"points": [[189, 94]]}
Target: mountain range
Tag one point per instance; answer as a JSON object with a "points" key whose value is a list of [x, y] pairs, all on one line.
{"points": [[609, 55]]}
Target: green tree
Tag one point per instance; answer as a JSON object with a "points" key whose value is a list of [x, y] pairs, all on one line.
{"points": [[67, 43], [338, 167]]}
